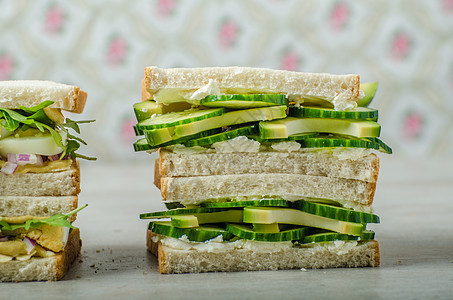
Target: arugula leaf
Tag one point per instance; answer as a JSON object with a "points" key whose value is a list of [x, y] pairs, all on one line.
{"points": [[60, 220], [36, 108], [34, 117]]}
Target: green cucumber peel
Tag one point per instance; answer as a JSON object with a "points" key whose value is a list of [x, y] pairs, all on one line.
{"points": [[34, 117], [198, 234], [59, 220], [179, 211], [336, 213]]}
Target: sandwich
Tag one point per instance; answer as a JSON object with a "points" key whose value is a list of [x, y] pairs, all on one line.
{"points": [[266, 170], [39, 179]]}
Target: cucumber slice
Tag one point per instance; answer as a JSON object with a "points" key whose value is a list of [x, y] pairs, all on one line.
{"points": [[339, 141], [184, 221], [144, 110], [269, 215], [31, 141], [246, 232], [147, 109], [155, 139], [336, 213], [370, 90], [173, 205], [381, 145], [199, 234], [264, 202], [141, 145], [269, 228], [327, 237], [223, 136], [163, 135], [232, 216], [180, 211], [179, 118], [359, 113], [295, 137], [367, 235], [138, 131], [283, 128], [244, 101]]}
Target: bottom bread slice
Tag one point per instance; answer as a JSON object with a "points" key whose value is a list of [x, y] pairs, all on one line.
{"points": [[188, 259], [40, 269]]}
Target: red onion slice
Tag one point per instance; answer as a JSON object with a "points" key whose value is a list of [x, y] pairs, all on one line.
{"points": [[30, 244], [9, 168], [25, 159], [3, 239]]}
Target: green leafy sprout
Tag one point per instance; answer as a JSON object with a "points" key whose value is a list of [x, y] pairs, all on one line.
{"points": [[60, 220], [34, 117]]}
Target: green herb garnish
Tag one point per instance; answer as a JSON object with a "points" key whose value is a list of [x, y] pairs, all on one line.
{"points": [[34, 117], [59, 220]]}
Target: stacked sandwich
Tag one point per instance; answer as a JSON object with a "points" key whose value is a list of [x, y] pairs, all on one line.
{"points": [[260, 169], [39, 179]]}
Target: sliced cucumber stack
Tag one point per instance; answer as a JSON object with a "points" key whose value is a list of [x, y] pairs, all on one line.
{"points": [[336, 213], [246, 232], [156, 140], [179, 118], [223, 136], [199, 234], [264, 202], [269, 215], [242, 101], [163, 135], [359, 113], [289, 126]]}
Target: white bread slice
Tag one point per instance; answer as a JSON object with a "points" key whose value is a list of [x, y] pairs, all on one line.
{"points": [[239, 80], [43, 269], [365, 168], [29, 93], [196, 189], [61, 183], [16, 206], [326, 255]]}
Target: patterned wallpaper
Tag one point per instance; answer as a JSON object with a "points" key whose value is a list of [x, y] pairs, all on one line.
{"points": [[103, 47]]}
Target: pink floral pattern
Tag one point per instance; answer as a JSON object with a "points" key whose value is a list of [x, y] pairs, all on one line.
{"points": [[117, 51], [339, 16], [413, 124], [6, 66], [401, 46], [447, 6], [290, 61], [127, 133], [166, 8], [228, 33], [54, 19]]}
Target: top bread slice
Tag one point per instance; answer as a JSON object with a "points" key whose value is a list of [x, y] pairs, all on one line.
{"points": [[28, 93], [238, 80]]}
